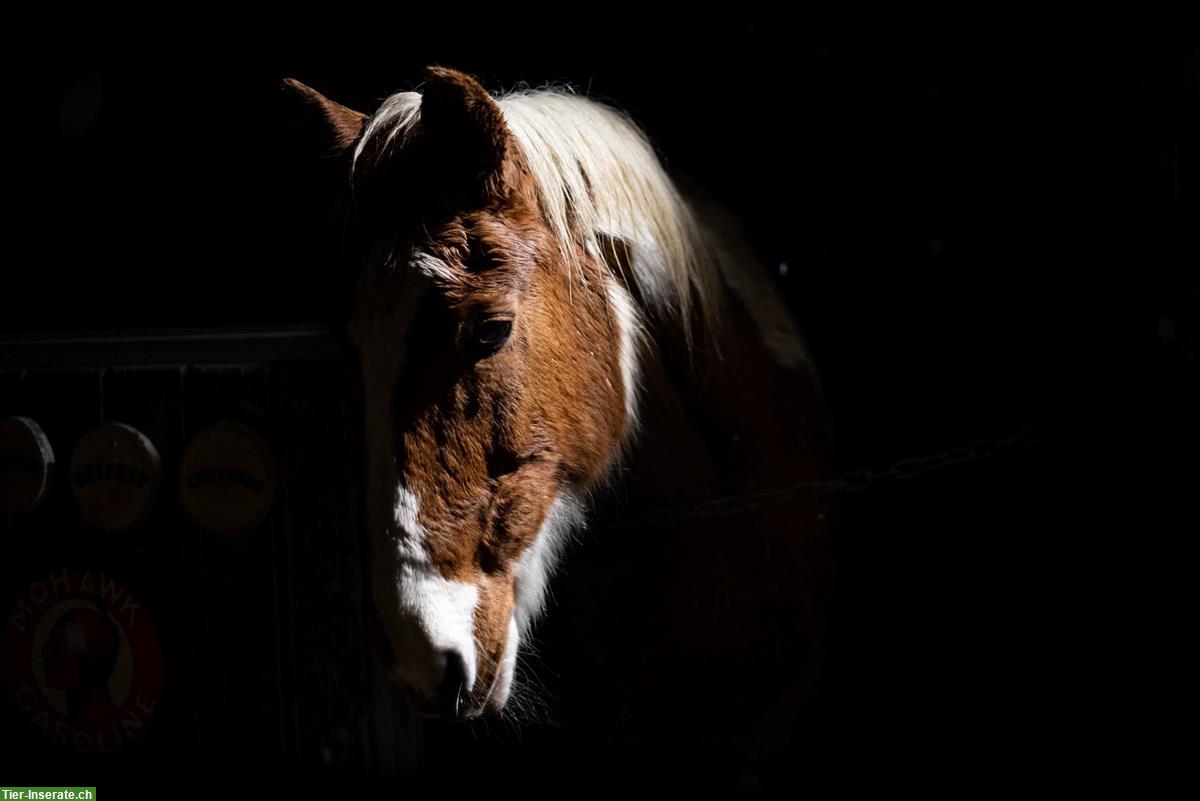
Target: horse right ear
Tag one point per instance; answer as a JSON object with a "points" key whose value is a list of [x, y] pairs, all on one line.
{"points": [[343, 125], [460, 115]]}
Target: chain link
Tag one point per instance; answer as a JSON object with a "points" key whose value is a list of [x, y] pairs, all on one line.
{"points": [[851, 482]]}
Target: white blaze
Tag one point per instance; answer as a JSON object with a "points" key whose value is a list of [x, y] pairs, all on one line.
{"points": [[414, 596], [443, 610]]}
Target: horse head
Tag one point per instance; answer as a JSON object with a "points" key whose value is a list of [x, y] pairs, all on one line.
{"points": [[499, 359]]}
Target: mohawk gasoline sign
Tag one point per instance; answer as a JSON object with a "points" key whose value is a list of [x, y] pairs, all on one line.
{"points": [[82, 661]]}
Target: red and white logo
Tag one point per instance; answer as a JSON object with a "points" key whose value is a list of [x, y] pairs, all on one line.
{"points": [[82, 660]]}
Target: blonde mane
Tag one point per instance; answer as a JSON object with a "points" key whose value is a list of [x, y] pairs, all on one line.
{"points": [[600, 184]]}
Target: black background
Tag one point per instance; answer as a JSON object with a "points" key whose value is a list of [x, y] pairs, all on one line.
{"points": [[978, 236]]}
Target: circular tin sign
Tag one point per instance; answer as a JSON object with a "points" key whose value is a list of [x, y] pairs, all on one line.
{"points": [[115, 472], [26, 465], [82, 661], [227, 479]]}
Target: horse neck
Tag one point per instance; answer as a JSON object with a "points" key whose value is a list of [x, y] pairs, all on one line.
{"points": [[722, 415], [740, 594]]}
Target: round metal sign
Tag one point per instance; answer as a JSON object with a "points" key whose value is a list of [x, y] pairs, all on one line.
{"points": [[227, 479], [115, 474], [26, 465]]}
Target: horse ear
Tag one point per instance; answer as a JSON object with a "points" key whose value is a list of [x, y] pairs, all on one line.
{"points": [[342, 124], [459, 115]]}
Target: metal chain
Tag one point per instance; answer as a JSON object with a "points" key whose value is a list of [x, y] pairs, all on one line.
{"points": [[850, 482]]}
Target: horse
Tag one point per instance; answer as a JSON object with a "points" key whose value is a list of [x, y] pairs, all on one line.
{"points": [[559, 345]]}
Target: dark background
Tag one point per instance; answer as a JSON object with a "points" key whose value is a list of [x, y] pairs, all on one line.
{"points": [[978, 236]]}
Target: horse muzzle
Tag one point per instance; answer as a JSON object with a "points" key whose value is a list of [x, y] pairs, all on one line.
{"points": [[450, 699]]}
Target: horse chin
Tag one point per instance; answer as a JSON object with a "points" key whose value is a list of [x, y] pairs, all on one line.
{"points": [[499, 696], [502, 688]]}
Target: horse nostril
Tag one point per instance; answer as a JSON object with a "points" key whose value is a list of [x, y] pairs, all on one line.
{"points": [[453, 687]]}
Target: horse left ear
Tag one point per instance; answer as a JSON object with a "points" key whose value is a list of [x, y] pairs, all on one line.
{"points": [[343, 124]]}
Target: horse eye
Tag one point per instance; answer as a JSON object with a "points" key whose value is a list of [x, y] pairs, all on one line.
{"points": [[493, 333]]}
